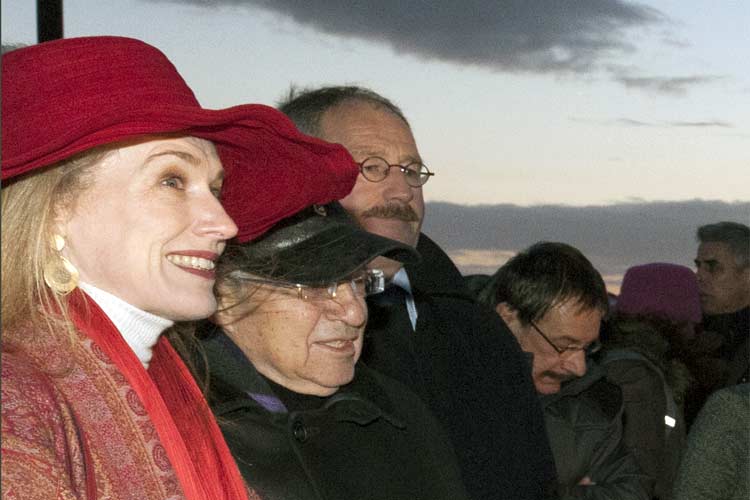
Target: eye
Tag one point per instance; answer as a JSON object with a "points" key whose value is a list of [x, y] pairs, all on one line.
{"points": [[216, 191], [373, 168], [173, 181], [411, 172]]}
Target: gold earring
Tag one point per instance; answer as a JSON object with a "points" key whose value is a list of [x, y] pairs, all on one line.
{"points": [[59, 274]]}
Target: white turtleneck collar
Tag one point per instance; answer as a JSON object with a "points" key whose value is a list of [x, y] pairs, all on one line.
{"points": [[140, 329]]}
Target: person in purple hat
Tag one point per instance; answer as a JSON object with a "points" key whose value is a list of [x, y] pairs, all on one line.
{"points": [[654, 320]]}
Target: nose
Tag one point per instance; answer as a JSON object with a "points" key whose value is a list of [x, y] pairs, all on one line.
{"points": [[347, 306], [212, 220], [576, 363], [700, 275], [395, 187]]}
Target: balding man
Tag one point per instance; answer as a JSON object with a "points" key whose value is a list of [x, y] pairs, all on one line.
{"points": [[426, 330]]}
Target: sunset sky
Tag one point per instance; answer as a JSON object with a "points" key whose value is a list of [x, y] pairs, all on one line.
{"points": [[518, 101], [594, 108]]}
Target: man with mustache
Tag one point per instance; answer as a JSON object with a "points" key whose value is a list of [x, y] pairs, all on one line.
{"points": [[553, 300], [426, 330]]}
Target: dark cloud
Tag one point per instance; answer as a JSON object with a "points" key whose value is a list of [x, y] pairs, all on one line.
{"points": [[702, 124], [633, 123], [676, 124], [509, 35], [630, 122], [676, 43], [614, 237], [665, 85]]}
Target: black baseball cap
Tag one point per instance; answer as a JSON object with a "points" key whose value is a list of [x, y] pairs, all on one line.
{"points": [[316, 246]]}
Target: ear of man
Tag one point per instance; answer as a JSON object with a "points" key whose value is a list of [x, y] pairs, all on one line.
{"points": [[510, 317]]}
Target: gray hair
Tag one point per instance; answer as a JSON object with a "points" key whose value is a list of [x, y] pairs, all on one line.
{"points": [[735, 235], [306, 107]]}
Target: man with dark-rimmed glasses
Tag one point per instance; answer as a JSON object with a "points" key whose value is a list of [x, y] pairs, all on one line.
{"points": [[553, 301]]}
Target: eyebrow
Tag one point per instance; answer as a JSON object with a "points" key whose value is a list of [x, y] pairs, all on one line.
{"points": [[705, 261], [380, 154], [183, 155]]}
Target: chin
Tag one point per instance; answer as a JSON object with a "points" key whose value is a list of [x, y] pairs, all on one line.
{"points": [[547, 388], [192, 310], [340, 379], [394, 229]]}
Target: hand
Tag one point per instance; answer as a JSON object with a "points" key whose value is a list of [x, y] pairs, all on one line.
{"points": [[586, 481]]}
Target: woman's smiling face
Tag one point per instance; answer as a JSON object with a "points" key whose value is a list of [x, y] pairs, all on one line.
{"points": [[149, 226]]}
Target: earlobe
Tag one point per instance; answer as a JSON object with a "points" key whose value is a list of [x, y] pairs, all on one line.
{"points": [[58, 223], [506, 312], [59, 274], [510, 318], [223, 315]]}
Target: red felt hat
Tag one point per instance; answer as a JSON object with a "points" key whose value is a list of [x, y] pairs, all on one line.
{"points": [[63, 97]]}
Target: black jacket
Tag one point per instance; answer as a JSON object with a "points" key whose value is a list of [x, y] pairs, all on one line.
{"points": [[467, 366], [372, 440], [641, 359], [584, 423], [727, 363]]}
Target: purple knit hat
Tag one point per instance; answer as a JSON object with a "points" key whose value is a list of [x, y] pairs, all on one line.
{"points": [[665, 290]]}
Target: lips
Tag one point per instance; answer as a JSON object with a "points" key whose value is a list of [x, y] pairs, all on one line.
{"points": [[337, 343], [196, 262], [339, 346]]}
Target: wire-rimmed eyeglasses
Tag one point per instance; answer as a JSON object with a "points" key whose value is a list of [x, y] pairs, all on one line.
{"points": [[570, 349], [363, 283], [376, 169]]}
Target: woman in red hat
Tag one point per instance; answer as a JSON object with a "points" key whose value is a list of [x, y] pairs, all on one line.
{"points": [[112, 223]]}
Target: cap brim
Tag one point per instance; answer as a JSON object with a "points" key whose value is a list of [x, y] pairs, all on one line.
{"points": [[319, 245], [335, 254]]}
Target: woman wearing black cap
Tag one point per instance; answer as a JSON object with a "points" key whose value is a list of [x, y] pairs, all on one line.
{"points": [[304, 419]]}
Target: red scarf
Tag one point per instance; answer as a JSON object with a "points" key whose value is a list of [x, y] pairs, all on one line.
{"points": [[183, 421]]}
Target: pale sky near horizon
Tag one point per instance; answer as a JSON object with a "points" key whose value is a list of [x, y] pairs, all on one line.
{"points": [[655, 106]]}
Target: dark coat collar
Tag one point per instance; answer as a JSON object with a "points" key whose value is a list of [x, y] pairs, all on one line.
{"points": [[578, 385], [436, 273], [592, 387]]}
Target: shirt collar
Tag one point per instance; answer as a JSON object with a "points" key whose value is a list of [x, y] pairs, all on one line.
{"points": [[401, 279]]}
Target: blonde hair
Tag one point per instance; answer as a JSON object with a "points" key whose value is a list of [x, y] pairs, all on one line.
{"points": [[31, 206]]}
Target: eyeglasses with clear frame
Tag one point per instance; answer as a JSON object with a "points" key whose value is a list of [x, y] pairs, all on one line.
{"points": [[363, 283], [376, 169], [590, 349]]}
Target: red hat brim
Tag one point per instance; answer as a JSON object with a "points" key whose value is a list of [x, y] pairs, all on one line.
{"points": [[64, 97]]}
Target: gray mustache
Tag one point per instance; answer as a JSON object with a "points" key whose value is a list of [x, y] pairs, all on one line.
{"points": [[399, 212]]}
